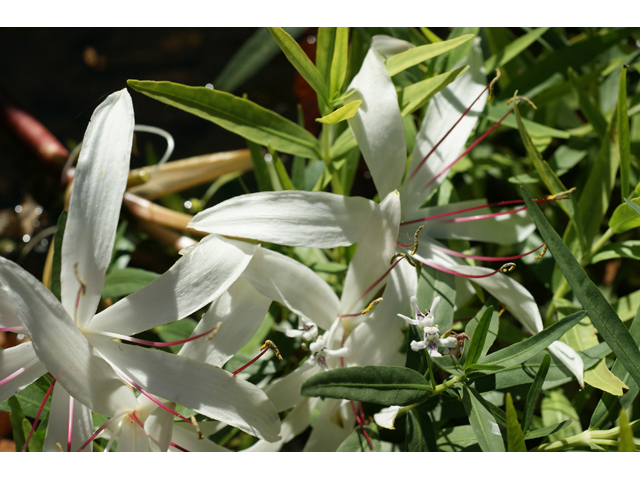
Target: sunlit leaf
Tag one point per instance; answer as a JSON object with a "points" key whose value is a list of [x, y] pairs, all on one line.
{"points": [[343, 113], [413, 56], [515, 438], [483, 423]]}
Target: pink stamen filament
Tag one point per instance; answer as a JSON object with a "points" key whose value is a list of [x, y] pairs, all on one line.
{"points": [[96, 433], [251, 362], [12, 329], [433, 149], [150, 343], [182, 449], [481, 257], [456, 212], [482, 217], [360, 421], [20, 371], [452, 272], [70, 428], [471, 147], [35, 420]]}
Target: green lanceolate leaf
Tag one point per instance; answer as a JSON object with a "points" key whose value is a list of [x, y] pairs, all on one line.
{"points": [[259, 167], [623, 134], [546, 431], [35, 444], [120, 283], [515, 438], [512, 50], [494, 327], [534, 393], [590, 111], [629, 249], [414, 56], [301, 62], [478, 338], [625, 217], [625, 444], [339, 62], [602, 315], [380, 385], [483, 423], [417, 94], [556, 408], [16, 417], [238, 115], [343, 113], [524, 350], [56, 265], [420, 435]]}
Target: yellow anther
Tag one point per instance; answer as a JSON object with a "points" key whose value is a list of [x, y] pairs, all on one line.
{"points": [[493, 82], [525, 99], [403, 255], [502, 308], [415, 240], [556, 195], [507, 267], [197, 427], [214, 331], [269, 343], [59, 447], [544, 250], [371, 305]]}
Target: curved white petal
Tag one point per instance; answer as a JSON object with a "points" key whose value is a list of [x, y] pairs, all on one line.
{"points": [[202, 387], [295, 218], [285, 392], [386, 417], [377, 341], [444, 110], [195, 280], [185, 436], [373, 253], [570, 358], [62, 347], [94, 207], [241, 310], [334, 424], [132, 437], [8, 315], [294, 285], [159, 427], [14, 358], [58, 424], [377, 125]]}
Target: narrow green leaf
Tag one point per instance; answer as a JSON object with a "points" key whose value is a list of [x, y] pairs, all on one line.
{"points": [[56, 265], [339, 62], [301, 63], [534, 392], [600, 312], [16, 417], [30, 399], [35, 444], [634, 206], [515, 438], [238, 115], [477, 367], [379, 385], [512, 50], [524, 350], [629, 249], [259, 167], [325, 48], [283, 176], [536, 130], [478, 338], [357, 442], [420, 434], [413, 56], [432, 37], [625, 216], [343, 113], [417, 94], [555, 408], [484, 425], [492, 334], [546, 431], [589, 109], [626, 443], [624, 146], [120, 283]]}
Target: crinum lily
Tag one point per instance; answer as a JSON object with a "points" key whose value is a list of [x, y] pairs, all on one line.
{"points": [[74, 344]]}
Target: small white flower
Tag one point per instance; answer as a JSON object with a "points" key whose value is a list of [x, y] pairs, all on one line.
{"points": [[431, 332], [320, 352], [306, 329]]}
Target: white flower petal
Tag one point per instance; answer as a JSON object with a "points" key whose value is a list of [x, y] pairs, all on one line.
{"points": [[448, 342], [195, 280], [304, 219], [94, 207], [285, 392], [58, 423], [132, 437], [8, 315], [377, 125], [444, 110], [294, 285], [387, 417], [373, 253], [62, 347], [570, 358], [202, 387], [334, 424], [186, 437], [159, 428], [14, 358], [241, 310]]}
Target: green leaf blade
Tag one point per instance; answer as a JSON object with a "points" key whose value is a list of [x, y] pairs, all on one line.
{"points": [[534, 392], [413, 56], [515, 438], [483, 423], [478, 338], [624, 145]]}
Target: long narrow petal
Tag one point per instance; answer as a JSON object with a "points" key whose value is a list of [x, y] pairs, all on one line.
{"points": [[303, 219], [8, 315], [11, 360], [241, 310], [94, 207], [159, 427], [444, 110], [333, 426], [373, 253], [58, 426], [195, 280], [294, 285], [62, 347], [196, 385], [132, 437], [377, 125], [285, 392]]}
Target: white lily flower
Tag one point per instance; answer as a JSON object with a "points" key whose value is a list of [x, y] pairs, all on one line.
{"points": [[74, 344]]}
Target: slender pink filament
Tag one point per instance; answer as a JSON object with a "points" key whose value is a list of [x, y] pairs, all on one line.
{"points": [[360, 421], [20, 371], [12, 329], [481, 257], [452, 272], [153, 344], [178, 447], [251, 362], [471, 147], [35, 420], [446, 135], [482, 217], [70, 429], [97, 432], [456, 212]]}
